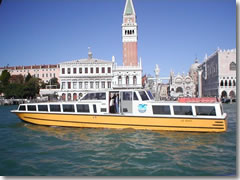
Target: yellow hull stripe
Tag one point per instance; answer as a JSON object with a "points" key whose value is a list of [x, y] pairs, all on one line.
{"points": [[120, 122]]}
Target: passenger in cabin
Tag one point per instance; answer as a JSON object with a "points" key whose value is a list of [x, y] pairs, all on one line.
{"points": [[112, 105], [116, 103]]}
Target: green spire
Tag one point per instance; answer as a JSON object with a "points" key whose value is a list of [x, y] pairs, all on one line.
{"points": [[129, 10]]}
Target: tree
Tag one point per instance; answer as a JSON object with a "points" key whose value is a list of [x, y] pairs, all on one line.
{"points": [[28, 77], [54, 81], [31, 88], [4, 78]]}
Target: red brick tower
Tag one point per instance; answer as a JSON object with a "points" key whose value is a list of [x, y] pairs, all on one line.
{"points": [[129, 35]]}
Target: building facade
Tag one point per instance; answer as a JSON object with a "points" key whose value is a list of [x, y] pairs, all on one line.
{"points": [[44, 72], [218, 73], [181, 85], [79, 76]]}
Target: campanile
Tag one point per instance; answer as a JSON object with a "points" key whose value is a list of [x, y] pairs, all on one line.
{"points": [[129, 35]]}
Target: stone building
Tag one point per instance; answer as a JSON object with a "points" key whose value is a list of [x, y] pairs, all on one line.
{"points": [[218, 72], [44, 72], [181, 85]]}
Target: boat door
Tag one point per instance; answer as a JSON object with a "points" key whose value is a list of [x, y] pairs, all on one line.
{"points": [[126, 101]]}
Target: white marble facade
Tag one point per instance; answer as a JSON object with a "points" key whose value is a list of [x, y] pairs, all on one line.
{"points": [[91, 74], [219, 74]]}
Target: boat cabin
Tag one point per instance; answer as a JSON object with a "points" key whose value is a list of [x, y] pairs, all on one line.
{"points": [[127, 102]]}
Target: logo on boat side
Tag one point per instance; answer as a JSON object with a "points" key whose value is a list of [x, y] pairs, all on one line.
{"points": [[142, 108]]}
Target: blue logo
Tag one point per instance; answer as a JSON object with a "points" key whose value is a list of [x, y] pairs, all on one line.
{"points": [[142, 108]]}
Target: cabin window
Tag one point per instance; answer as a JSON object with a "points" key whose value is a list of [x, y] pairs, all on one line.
{"points": [[95, 96], [68, 108], [94, 108], [205, 111], [42, 108], [22, 108], [103, 110], [150, 95], [135, 96], [127, 96], [143, 95], [83, 108], [183, 110], [31, 108], [164, 110], [55, 108]]}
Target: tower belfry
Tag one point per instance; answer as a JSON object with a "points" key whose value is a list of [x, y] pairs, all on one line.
{"points": [[129, 35]]}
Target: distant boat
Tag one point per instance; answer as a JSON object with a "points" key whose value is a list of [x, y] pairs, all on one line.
{"points": [[136, 110]]}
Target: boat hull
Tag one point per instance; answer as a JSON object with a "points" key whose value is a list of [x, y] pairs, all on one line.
{"points": [[123, 121]]}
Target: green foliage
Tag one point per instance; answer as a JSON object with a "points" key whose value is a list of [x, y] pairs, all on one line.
{"points": [[18, 89], [31, 88], [28, 77], [4, 78]]}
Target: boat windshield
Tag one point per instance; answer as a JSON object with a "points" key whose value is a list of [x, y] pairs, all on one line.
{"points": [[95, 96], [150, 95], [143, 95]]}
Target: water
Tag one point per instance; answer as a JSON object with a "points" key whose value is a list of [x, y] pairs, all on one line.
{"points": [[27, 149]]}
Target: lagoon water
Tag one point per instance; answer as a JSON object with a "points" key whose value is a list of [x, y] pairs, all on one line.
{"points": [[27, 149]]}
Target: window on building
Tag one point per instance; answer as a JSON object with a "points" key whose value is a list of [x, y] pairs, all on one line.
{"points": [[103, 69], [226, 83], [86, 85], [91, 85], [74, 70], [221, 84], [127, 80], [74, 85], [69, 85], [47, 75], [103, 84], [97, 85], [86, 70], [80, 85], [50, 74], [134, 80], [80, 70], [97, 70], [109, 70], [91, 70], [43, 75], [63, 85], [69, 70], [119, 80], [109, 84], [54, 75], [232, 66]]}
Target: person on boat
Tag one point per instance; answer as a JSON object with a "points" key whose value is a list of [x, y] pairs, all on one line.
{"points": [[112, 106], [117, 103]]}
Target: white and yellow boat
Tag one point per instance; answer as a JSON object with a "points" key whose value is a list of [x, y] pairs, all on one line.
{"points": [[136, 109]]}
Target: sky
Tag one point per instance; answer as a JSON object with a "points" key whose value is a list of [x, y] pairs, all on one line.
{"points": [[171, 33]]}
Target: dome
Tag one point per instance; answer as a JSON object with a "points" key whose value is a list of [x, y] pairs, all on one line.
{"points": [[194, 67]]}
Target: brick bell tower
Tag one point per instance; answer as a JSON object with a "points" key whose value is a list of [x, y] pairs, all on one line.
{"points": [[129, 35]]}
